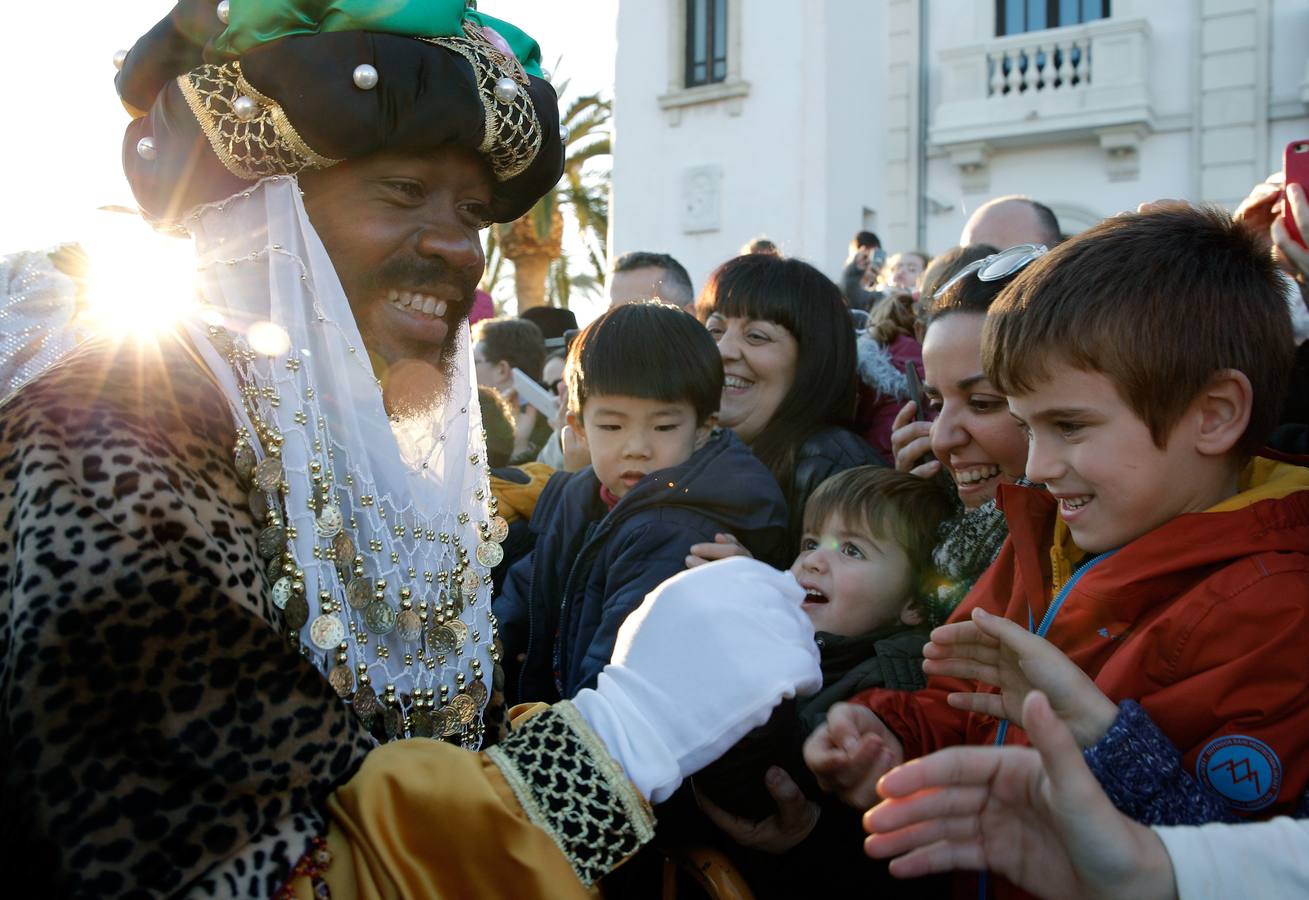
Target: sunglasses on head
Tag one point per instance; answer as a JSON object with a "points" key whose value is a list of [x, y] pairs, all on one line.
{"points": [[997, 265]]}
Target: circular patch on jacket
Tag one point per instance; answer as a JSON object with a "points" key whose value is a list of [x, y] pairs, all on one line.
{"points": [[1243, 771]]}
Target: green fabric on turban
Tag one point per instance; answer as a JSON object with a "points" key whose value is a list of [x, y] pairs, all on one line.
{"points": [[255, 22]]}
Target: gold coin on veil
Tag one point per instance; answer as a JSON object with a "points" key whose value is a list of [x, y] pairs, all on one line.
{"points": [[358, 592], [268, 474], [441, 640], [296, 613], [409, 626], [470, 583], [460, 632], [489, 554], [463, 707], [271, 541], [342, 680], [420, 722], [365, 704], [245, 461], [498, 529], [477, 691]]}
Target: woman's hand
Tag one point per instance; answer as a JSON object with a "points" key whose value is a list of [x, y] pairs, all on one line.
{"points": [[1293, 256], [796, 816], [995, 651], [911, 441], [722, 547], [1037, 817]]}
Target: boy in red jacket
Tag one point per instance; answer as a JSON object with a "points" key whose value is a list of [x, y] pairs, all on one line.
{"points": [[1146, 358]]}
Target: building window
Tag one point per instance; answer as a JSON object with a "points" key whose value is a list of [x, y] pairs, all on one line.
{"points": [[706, 42], [1018, 16]]}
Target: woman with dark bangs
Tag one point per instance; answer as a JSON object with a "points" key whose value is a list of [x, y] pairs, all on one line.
{"points": [[788, 349]]}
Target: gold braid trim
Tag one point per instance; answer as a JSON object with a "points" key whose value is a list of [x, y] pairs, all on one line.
{"points": [[512, 133], [573, 790], [266, 144]]}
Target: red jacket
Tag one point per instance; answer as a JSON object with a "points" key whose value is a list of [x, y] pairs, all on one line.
{"points": [[1204, 621]]}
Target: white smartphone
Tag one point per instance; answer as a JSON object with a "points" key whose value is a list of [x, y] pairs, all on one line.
{"points": [[531, 392]]}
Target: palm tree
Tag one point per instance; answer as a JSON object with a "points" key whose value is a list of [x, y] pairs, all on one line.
{"points": [[534, 243]]}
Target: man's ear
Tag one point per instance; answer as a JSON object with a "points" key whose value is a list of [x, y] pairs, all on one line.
{"points": [[1222, 412], [705, 430], [504, 372], [574, 421]]}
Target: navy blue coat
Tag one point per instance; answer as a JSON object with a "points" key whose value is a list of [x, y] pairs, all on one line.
{"points": [[561, 605]]}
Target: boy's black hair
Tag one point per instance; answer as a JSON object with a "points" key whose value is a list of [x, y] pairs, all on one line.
{"points": [[650, 350]]}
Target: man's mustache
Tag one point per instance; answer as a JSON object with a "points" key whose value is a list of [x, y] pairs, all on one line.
{"points": [[424, 276]]}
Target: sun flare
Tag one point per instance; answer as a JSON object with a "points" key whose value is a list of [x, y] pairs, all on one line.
{"points": [[140, 283]]}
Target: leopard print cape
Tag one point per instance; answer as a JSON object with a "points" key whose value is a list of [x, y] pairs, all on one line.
{"points": [[159, 737]]}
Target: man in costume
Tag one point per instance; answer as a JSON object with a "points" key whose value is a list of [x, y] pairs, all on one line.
{"points": [[236, 563]]}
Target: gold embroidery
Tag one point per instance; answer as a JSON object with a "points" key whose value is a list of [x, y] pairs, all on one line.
{"points": [[573, 790], [266, 144], [511, 135]]}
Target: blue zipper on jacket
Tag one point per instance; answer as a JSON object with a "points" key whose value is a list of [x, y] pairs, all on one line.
{"points": [[1048, 619]]}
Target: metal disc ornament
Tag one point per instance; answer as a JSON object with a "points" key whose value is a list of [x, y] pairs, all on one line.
{"points": [[441, 722], [245, 461], [268, 474], [358, 593], [272, 541], [394, 723], [326, 632], [275, 568], [464, 708], [489, 554], [296, 612], [477, 691], [342, 680], [460, 632], [329, 521], [379, 617], [409, 626], [420, 722], [470, 582], [258, 501], [365, 704], [344, 548], [497, 529], [282, 591], [441, 640]]}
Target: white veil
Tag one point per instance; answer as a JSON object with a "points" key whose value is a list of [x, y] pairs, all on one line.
{"points": [[413, 495]]}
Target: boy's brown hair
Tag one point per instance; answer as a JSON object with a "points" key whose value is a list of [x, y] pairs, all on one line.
{"points": [[885, 504], [1158, 302]]}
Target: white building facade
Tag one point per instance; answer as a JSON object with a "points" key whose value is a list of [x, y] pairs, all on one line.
{"points": [[808, 120]]}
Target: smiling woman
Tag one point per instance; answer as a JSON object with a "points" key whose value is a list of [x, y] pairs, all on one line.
{"points": [[788, 349]]}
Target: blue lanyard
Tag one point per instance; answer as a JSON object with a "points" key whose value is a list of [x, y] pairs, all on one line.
{"points": [[1048, 619], [1040, 630]]}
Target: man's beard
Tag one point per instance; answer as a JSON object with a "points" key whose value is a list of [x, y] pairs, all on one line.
{"points": [[422, 275]]}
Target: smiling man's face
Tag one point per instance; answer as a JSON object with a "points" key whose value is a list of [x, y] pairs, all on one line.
{"points": [[403, 234]]}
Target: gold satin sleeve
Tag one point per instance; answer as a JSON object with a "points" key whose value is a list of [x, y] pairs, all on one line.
{"points": [[543, 815]]}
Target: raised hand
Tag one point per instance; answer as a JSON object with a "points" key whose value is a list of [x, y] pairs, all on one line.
{"points": [[1037, 817], [1005, 655], [722, 547], [911, 441], [850, 751], [796, 816]]}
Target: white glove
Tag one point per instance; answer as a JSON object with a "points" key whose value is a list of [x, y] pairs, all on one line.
{"points": [[700, 663]]}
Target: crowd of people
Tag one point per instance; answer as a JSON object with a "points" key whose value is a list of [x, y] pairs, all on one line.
{"points": [[995, 561]]}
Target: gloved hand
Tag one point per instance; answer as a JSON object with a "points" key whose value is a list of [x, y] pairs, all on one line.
{"points": [[699, 664]]}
